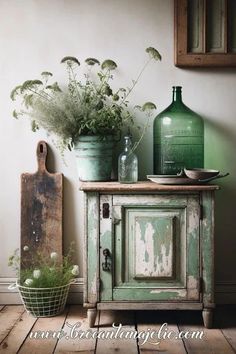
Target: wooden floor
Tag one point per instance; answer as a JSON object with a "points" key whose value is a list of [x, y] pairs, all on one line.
{"points": [[17, 327]]}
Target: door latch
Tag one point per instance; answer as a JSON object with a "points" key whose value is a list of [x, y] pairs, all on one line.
{"points": [[106, 266]]}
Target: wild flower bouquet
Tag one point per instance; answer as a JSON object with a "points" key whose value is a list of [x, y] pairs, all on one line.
{"points": [[43, 273], [44, 285], [87, 105]]}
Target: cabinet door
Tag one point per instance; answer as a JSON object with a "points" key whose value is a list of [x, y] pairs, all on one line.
{"points": [[154, 249]]}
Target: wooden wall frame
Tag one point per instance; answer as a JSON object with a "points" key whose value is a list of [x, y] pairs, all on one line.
{"points": [[203, 55]]}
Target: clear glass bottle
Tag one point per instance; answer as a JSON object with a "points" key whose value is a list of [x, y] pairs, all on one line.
{"points": [[127, 163], [178, 138]]}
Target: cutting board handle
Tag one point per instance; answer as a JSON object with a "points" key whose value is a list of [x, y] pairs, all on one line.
{"points": [[41, 155]]}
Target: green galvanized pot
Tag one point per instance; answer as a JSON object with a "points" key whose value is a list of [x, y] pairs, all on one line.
{"points": [[94, 157]]}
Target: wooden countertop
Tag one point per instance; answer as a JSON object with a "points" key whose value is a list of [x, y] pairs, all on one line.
{"points": [[142, 186]]}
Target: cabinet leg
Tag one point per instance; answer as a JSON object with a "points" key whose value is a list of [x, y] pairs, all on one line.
{"points": [[91, 315], [207, 315]]}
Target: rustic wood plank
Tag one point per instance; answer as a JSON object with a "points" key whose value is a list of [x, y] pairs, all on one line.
{"points": [[225, 318], [142, 187], [207, 60], [212, 342], [140, 305], [115, 345], [42, 326], [185, 59], [180, 29], [92, 281], [41, 210], [16, 336], [106, 241], [207, 235], [156, 322], [8, 317], [230, 335], [70, 343]]}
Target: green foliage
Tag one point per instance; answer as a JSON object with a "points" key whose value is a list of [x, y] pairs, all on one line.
{"points": [[46, 73], [55, 87], [153, 53], [148, 106], [109, 65], [70, 60], [15, 92], [87, 105], [30, 85], [92, 61], [44, 273]]}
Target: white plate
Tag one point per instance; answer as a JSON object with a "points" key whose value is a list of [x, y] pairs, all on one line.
{"points": [[172, 179]]}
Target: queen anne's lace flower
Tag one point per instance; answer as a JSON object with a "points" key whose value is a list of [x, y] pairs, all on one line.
{"points": [[36, 273], [54, 255], [29, 281], [75, 270]]}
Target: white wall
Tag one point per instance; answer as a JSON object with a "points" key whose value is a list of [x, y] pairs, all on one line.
{"points": [[36, 34]]}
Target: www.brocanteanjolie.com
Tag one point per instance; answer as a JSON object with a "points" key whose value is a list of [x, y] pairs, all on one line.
{"points": [[149, 335]]}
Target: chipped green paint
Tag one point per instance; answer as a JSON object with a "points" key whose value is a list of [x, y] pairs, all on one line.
{"points": [[193, 253], [92, 235], [106, 276], [145, 231], [146, 256], [193, 248], [146, 294], [160, 200], [146, 238], [208, 247], [162, 239], [106, 242], [193, 243]]}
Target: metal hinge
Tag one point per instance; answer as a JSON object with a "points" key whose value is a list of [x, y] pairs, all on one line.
{"points": [[201, 212]]}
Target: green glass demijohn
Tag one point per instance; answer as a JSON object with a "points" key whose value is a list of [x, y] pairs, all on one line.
{"points": [[178, 138]]}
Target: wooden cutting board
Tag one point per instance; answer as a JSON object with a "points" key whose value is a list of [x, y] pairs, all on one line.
{"points": [[41, 210]]}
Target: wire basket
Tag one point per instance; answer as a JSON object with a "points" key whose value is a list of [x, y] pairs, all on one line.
{"points": [[44, 302]]}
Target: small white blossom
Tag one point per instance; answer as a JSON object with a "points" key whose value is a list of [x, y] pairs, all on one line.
{"points": [[29, 281], [75, 270], [25, 248], [54, 255], [36, 273]]}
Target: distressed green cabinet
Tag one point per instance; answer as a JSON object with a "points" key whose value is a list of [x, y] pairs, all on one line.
{"points": [[148, 246]]}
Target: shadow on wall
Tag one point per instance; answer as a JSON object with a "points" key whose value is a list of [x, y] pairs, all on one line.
{"points": [[220, 147], [69, 213], [50, 163], [69, 216]]}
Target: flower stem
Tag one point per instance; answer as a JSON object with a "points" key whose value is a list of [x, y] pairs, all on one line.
{"points": [[136, 144], [136, 81]]}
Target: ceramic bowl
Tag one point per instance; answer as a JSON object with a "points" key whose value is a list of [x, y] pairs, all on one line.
{"points": [[200, 173]]}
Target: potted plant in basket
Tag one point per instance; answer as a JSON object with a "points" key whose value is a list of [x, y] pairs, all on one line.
{"points": [[87, 115], [44, 284]]}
